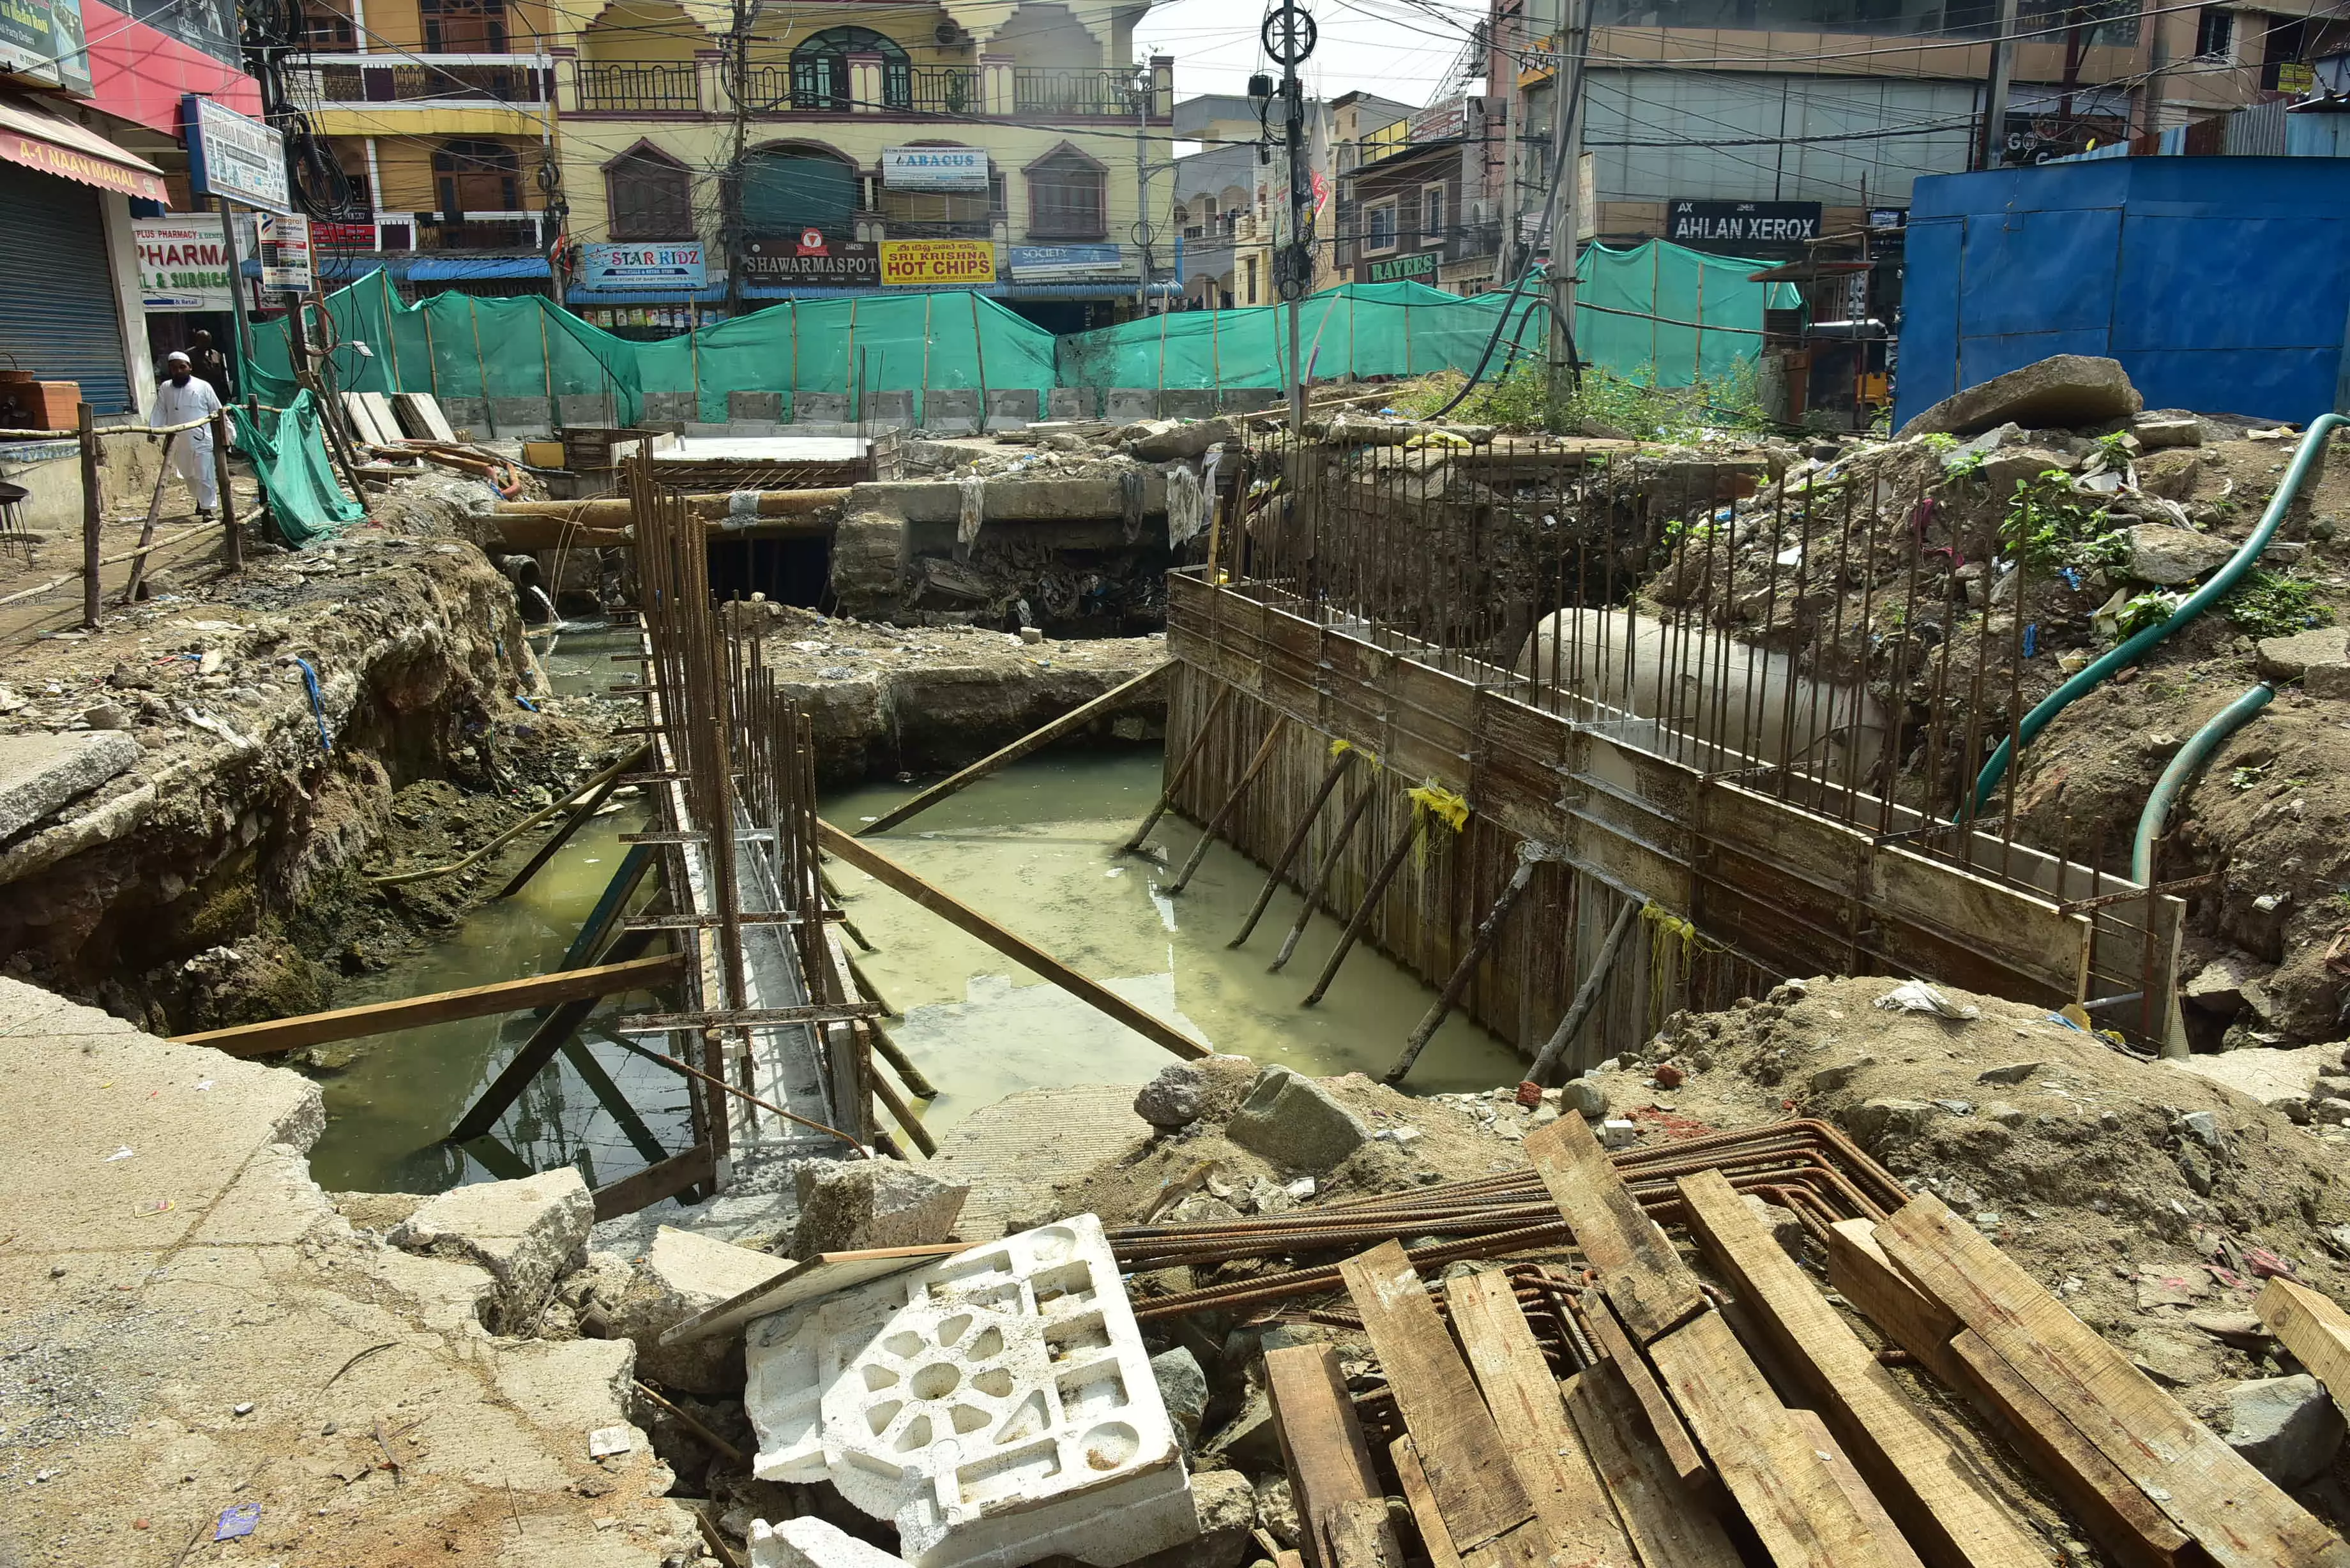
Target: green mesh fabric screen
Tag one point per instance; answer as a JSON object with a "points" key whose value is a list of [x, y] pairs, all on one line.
{"points": [[1655, 281], [288, 452]]}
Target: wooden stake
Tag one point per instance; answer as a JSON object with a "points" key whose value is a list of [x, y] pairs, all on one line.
{"points": [[93, 513], [232, 542], [1587, 995], [556, 1030], [147, 533], [1322, 875], [1215, 825], [895, 1055], [1330, 777], [1449, 998], [1027, 954], [1076, 718], [902, 1113], [1182, 770], [1362, 916]]}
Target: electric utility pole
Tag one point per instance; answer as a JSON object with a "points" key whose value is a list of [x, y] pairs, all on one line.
{"points": [[1567, 121], [2002, 69], [730, 182], [1289, 35]]}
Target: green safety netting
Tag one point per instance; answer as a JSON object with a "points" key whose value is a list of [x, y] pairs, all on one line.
{"points": [[289, 451], [459, 345]]}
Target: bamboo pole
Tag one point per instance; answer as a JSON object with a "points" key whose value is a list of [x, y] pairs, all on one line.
{"points": [[1215, 824], [1449, 998], [232, 542], [92, 513], [1330, 777], [1322, 876], [895, 1055], [483, 366], [902, 1113], [147, 532], [1371, 896], [1182, 770]]}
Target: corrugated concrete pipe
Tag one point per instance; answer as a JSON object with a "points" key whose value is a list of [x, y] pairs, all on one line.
{"points": [[1722, 690]]}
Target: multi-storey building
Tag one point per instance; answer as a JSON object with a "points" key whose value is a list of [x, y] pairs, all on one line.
{"points": [[837, 147], [1419, 192]]}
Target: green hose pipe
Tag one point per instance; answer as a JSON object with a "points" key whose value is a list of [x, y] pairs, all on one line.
{"points": [[2304, 457], [2182, 770]]}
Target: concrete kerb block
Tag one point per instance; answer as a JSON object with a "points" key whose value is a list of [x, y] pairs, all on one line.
{"points": [[811, 1542], [671, 408], [467, 414], [587, 411], [1294, 1122], [951, 409], [39, 772], [754, 406], [998, 1404], [753, 428], [1012, 408], [519, 416], [525, 1233], [890, 408], [1124, 405], [819, 407], [1249, 400], [1072, 403], [1187, 403]]}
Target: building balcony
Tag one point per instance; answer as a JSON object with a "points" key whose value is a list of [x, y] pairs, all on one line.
{"points": [[650, 87], [868, 84], [444, 95]]}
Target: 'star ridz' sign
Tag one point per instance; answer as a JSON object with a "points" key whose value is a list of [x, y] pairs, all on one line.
{"points": [[1742, 223]]}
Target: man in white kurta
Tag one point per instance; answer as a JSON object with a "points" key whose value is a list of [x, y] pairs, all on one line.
{"points": [[179, 398]]}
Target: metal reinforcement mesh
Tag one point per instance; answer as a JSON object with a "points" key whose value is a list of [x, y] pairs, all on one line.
{"points": [[1635, 321]]}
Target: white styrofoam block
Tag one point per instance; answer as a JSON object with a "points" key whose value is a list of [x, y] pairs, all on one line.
{"points": [[811, 1542], [998, 1404]]}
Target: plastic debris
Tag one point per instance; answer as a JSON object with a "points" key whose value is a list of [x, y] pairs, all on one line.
{"points": [[1916, 996], [237, 1520]]}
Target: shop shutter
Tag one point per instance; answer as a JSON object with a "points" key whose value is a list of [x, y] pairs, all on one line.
{"points": [[57, 315]]}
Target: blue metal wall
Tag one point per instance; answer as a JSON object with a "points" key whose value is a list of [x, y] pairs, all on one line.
{"points": [[2223, 284]]}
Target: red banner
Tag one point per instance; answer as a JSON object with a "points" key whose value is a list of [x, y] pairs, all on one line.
{"points": [[67, 163]]}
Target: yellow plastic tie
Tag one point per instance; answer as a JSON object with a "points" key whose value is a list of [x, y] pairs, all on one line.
{"points": [[1453, 810], [1436, 438]]}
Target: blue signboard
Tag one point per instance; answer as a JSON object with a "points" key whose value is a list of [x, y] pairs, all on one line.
{"points": [[1064, 261]]}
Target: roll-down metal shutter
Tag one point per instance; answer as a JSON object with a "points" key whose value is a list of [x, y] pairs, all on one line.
{"points": [[57, 315]]}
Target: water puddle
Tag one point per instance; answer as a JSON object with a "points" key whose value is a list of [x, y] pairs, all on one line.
{"points": [[1035, 848]]}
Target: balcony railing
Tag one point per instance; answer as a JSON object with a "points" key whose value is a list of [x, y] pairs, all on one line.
{"points": [[944, 89], [1043, 90], [644, 87], [322, 83], [478, 235]]}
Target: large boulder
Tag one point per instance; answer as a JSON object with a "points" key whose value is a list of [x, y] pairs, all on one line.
{"points": [[845, 1206], [2063, 391], [2287, 1427], [1296, 1123], [683, 1274], [526, 1234], [2167, 555]]}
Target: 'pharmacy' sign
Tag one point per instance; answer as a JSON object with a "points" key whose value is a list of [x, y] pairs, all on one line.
{"points": [[182, 263]]}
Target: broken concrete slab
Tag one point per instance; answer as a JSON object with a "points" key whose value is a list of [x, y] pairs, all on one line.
{"points": [[994, 1151], [525, 1233], [2063, 391], [2290, 657], [2167, 555], [2220, 986], [1225, 1505], [2158, 428], [998, 1404], [39, 772], [1169, 440], [684, 1273], [1183, 1387], [849, 1205], [1296, 1123], [809, 1541], [2287, 1428]]}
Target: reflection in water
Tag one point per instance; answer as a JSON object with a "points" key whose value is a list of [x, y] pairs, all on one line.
{"points": [[1035, 848]]}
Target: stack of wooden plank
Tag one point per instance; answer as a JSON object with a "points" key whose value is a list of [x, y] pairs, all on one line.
{"points": [[1744, 1418]]}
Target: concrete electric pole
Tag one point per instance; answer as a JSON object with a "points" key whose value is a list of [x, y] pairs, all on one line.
{"points": [[1567, 121], [2002, 70], [1289, 36]]}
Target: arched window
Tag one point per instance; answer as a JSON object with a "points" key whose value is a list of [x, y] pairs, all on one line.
{"points": [[820, 70], [651, 196], [464, 26], [1067, 196], [477, 177], [787, 189]]}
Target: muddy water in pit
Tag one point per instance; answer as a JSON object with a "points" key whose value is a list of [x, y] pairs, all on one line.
{"points": [[388, 1110], [1035, 848]]}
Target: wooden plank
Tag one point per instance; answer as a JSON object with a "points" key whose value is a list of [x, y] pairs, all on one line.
{"points": [[1524, 1399], [2093, 1488], [2314, 1329], [1898, 1551], [1670, 1527], [1435, 1536], [1358, 1533], [441, 1007], [1077, 718], [883, 869], [1645, 1280], [1776, 1473], [1322, 1443], [1859, 1270], [662, 1179], [1926, 1484], [1462, 1451], [2236, 1514], [1681, 1451]]}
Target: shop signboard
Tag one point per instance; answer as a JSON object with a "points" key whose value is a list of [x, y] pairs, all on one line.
{"points": [[643, 266], [183, 264], [812, 257], [1395, 269], [929, 264], [1742, 223], [1031, 262], [41, 43], [961, 169], [232, 156], [284, 243]]}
